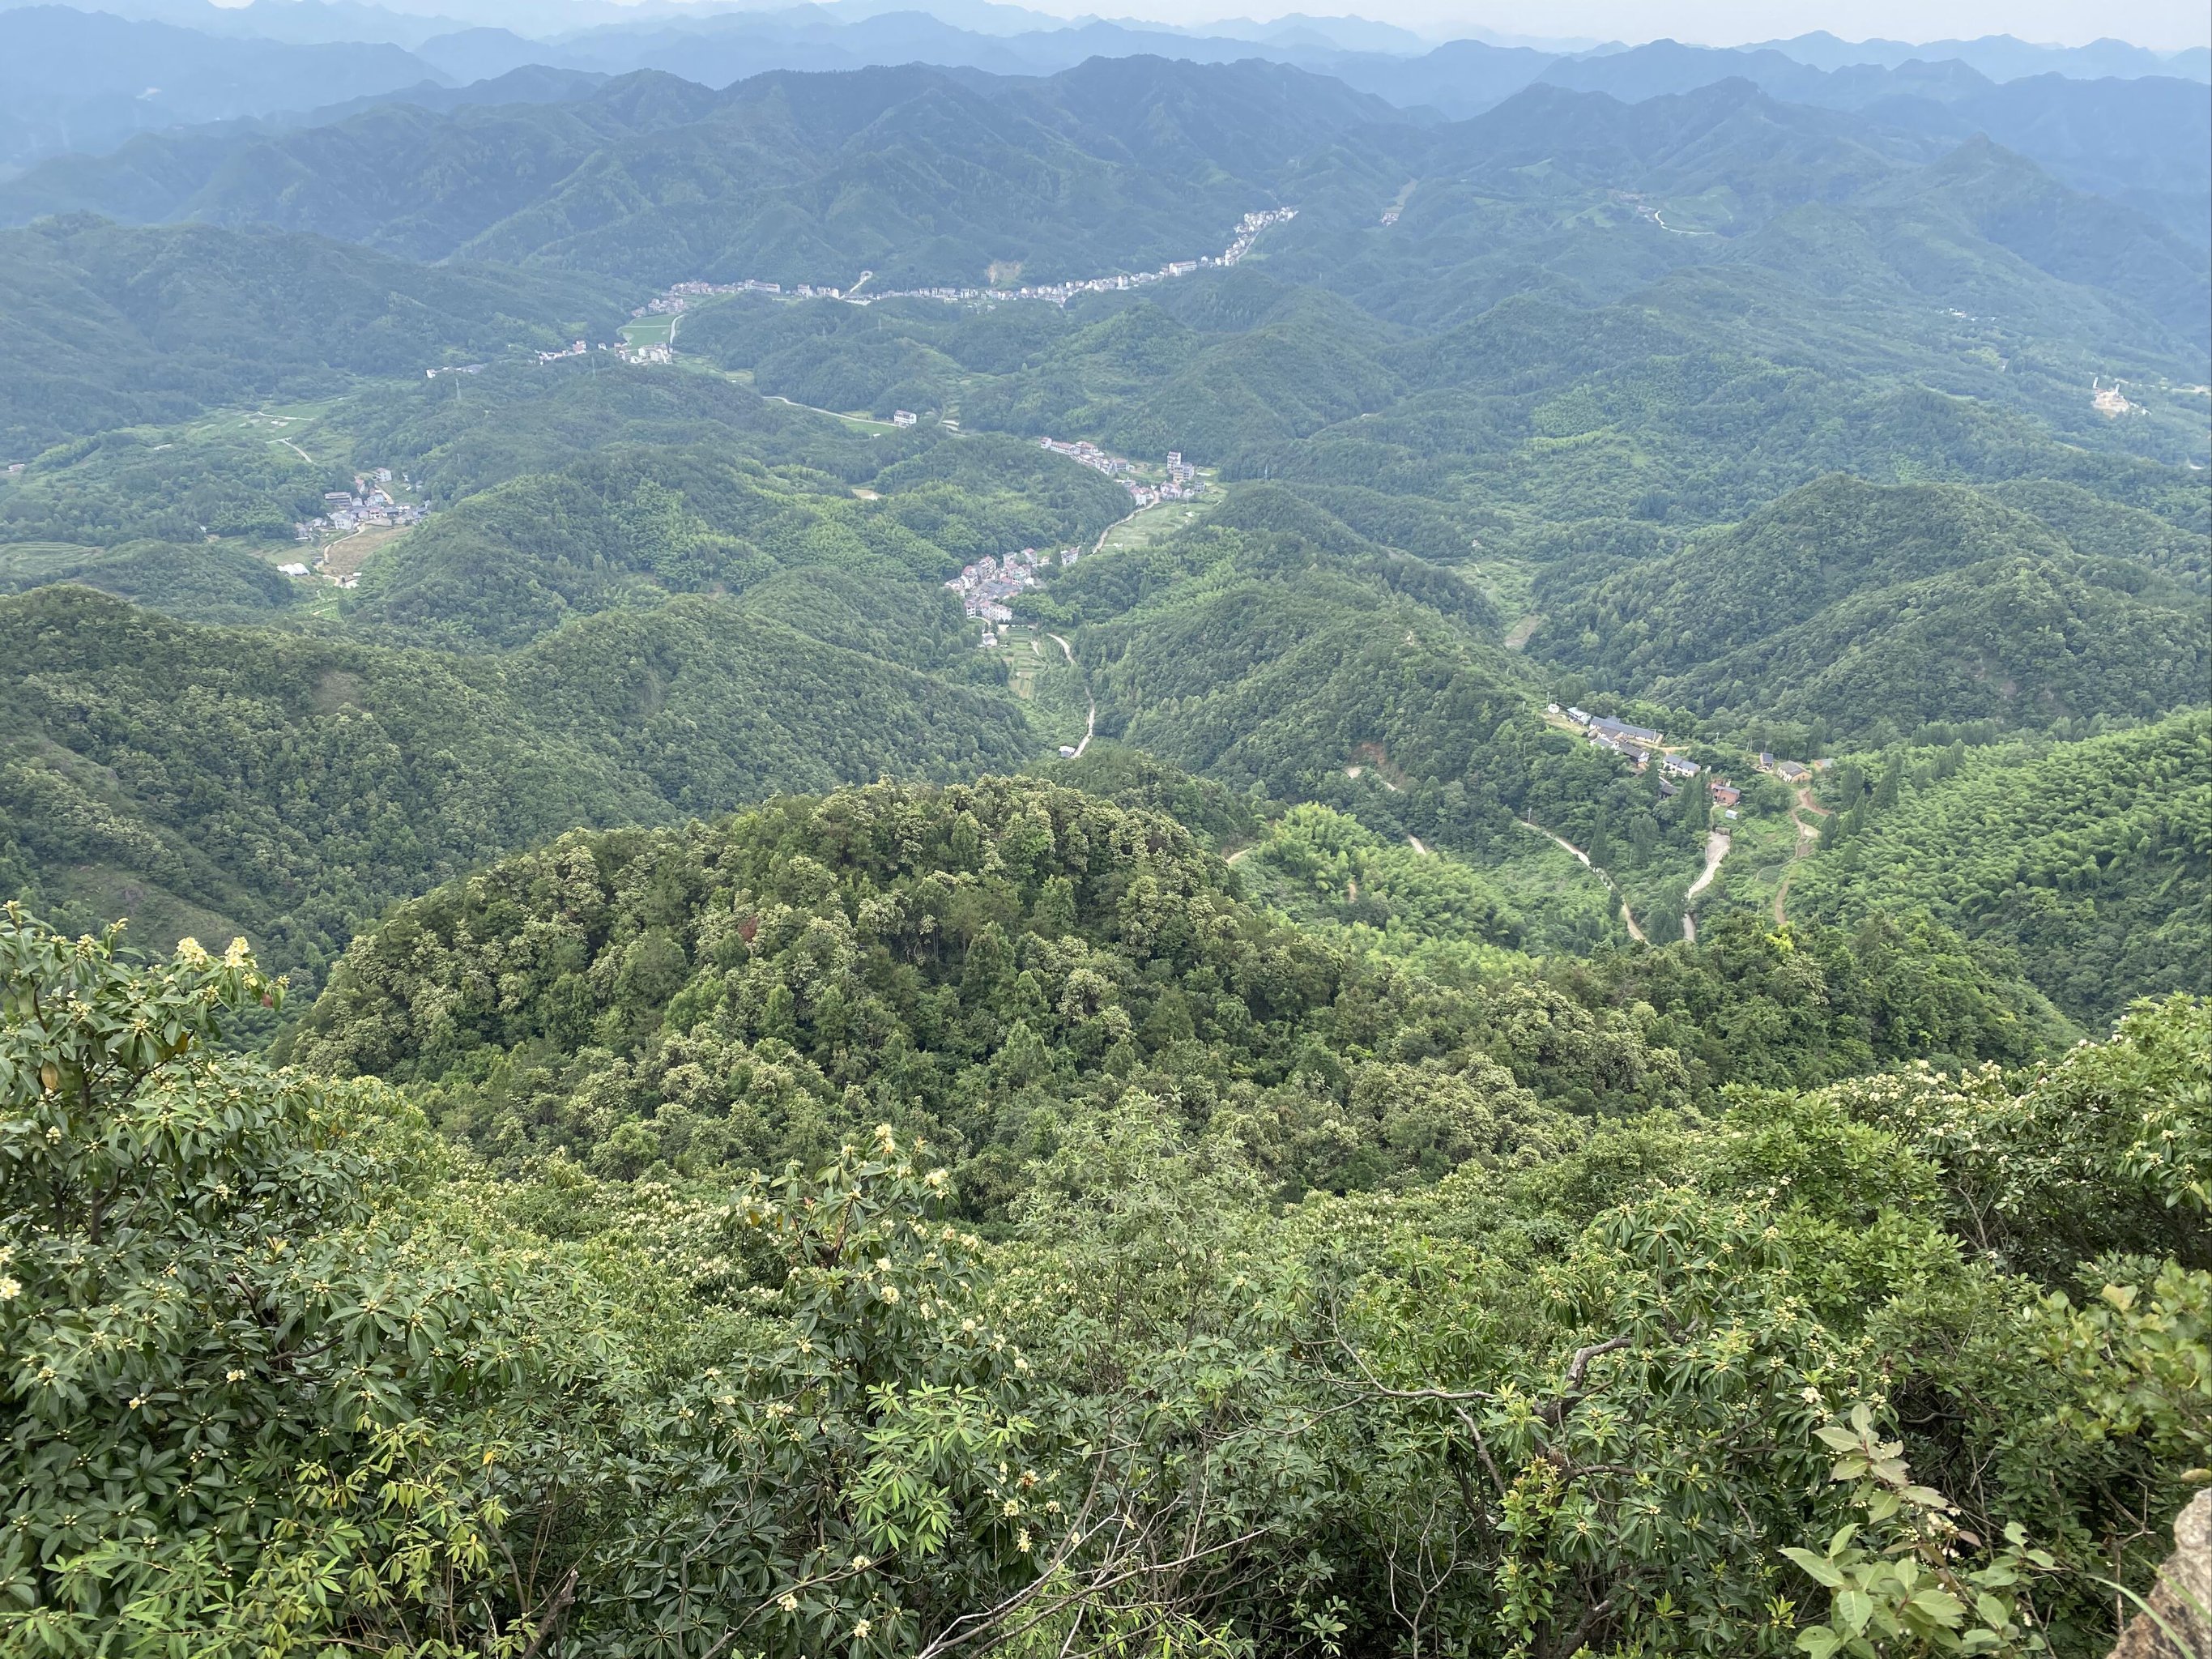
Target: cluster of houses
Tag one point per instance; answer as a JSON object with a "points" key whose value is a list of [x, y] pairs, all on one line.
{"points": [[1248, 228], [1090, 454], [1641, 747], [368, 505], [985, 586], [1180, 484], [679, 296], [677, 300]]}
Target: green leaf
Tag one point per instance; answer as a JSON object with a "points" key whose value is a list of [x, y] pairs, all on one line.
{"points": [[1815, 1568], [1855, 1607], [1940, 1605]]}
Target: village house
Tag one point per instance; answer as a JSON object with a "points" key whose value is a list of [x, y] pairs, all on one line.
{"points": [[1678, 765], [1621, 731]]}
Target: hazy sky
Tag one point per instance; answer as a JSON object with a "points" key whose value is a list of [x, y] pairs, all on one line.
{"points": [[2161, 24]]}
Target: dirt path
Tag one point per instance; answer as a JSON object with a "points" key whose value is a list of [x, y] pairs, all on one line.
{"points": [[1627, 915], [295, 449], [1090, 719], [1807, 837], [1414, 842], [1717, 848]]}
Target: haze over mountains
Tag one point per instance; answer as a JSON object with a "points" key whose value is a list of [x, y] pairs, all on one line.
{"points": [[84, 80]]}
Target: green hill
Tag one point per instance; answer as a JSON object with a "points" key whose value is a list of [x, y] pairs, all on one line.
{"points": [[2087, 859], [1271, 648], [518, 560], [108, 326], [985, 960], [1862, 608], [293, 787], [922, 175], [199, 582]]}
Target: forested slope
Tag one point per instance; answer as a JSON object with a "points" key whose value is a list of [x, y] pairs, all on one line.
{"points": [[2090, 860], [292, 786], [988, 962], [1271, 647], [106, 327], [629, 524], [686, 1384], [1863, 607]]}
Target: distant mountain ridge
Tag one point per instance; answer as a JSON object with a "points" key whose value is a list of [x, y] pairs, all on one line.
{"points": [[74, 80], [1121, 164]]}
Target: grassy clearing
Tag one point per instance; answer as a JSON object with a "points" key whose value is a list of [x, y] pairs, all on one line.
{"points": [[1153, 523], [1050, 688], [1763, 845], [1509, 584], [649, 331]]}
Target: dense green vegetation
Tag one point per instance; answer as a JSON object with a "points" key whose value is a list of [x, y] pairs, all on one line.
{"points": [[204, 582], [1881, 610], [769, 1151], [629, 525], [977, 964], [382, 1398], [105, 326], [2088, 859], [292, 786], [1276, 650], [918, 174]]}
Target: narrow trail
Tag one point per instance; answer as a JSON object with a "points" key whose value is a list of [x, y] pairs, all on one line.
{"points": [[1091, 718], [1414, 842], [1807, 837], [1717, 848], [295, 449], [1627, 915]]}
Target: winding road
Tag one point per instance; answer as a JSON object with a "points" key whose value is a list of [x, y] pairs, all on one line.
{"points": [[1717, 848], [1627, 915], [1091, 718]]}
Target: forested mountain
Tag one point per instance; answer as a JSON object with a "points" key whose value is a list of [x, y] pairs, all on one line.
{"points": [[1509, 959], [73, 80], [292, 786], [108, 327], [2088, 859], [983, 960], [1869, 608], [205, 583], [518, 559], [1117, 164]]}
